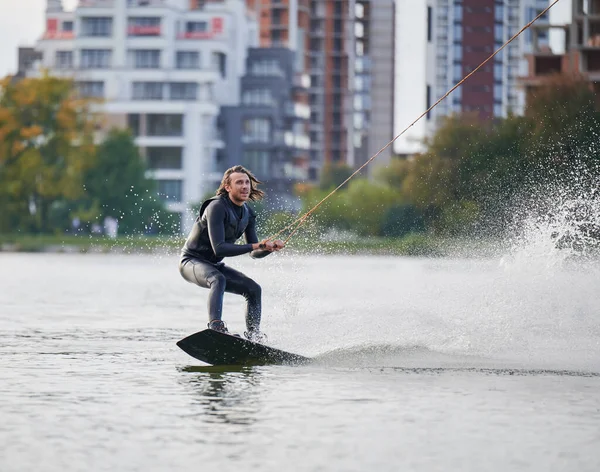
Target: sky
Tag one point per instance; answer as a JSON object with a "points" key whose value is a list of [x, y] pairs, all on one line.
{"points": [[21, 24]]}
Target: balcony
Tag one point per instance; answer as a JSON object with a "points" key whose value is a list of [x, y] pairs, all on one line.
{"points": [[143, 30], [96, 3], [297, 110], [58, 35], [301, 81], [145, 3]]}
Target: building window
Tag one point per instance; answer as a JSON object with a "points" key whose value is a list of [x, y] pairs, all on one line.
{"points": [[91, 89], [458, 52], [258, 97], [498, 93], [258, 162], [165, 125], [499, 33], [428, 101], [170, 190], [498, 69], [133, 122], [64, 59], [147, 91], [95, 58], [96, 26], [146, 58], [188, 60], [196, 27], [143, 26], [457, 32], [164, 158], [67, 26], [359, 10], [266, 68], [183, 91], [219, 62], [257, 130], [360, 48], [429, 23], [458, 12]]}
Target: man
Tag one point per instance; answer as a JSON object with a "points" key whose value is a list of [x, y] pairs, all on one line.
{"points": [[222, 220]]}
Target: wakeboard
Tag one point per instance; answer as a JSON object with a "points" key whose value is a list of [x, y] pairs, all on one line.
{"points": [[216, 348]]}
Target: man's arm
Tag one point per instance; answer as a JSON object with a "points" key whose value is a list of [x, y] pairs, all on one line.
{"points": [[251, 238]]}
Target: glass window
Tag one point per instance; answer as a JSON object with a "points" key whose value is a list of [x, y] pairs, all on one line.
{"points": [[183, 91], [196, 27], [458, 52], [147, 91], [458, 13], [188, 60], [257, 129], [165, 125], [146, 58], [143, 26], [95, 58], [219, 62], [164, 158], [457, 72], [64, 59], [498, 70], [498, 89], [457, 32], [170, 190], [499, 13], [499, 33], [91, 89], [258, 97], [96, 26]]}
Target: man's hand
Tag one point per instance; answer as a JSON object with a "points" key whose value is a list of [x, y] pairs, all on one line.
{"points": [[278, 245], [268, 245]]}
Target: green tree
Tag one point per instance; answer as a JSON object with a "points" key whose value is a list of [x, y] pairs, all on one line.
{"points": [[118, 187], [333, 174], [46, 144]]}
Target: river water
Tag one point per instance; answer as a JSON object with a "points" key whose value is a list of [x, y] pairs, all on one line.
{"points": [[422, 364]]}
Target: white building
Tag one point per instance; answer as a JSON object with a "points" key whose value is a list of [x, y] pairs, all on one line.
{"points": [[163, 69], [439, 42]]}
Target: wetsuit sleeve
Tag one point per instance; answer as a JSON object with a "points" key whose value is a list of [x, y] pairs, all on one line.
{"points": [[215, 218], [251, 237]]}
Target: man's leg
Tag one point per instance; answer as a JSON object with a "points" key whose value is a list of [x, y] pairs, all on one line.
{"points": [[207, 275], [240, 284]]}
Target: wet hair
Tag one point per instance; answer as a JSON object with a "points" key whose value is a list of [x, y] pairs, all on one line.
{"points": [[255, 192]]}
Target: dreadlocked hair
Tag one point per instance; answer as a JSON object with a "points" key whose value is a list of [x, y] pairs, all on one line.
{"points": [[255, 192]]}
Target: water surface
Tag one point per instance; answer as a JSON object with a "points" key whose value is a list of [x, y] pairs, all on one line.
{"points": [[421, 364]]}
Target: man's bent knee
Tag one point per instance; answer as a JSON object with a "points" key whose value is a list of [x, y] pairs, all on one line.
{"points": [[217, 281]]}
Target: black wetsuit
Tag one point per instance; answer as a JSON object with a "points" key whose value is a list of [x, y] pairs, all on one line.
{"points": [[220, 223]]}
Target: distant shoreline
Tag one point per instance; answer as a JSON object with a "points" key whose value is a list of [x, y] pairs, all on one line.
{"points": [[410, 245]]}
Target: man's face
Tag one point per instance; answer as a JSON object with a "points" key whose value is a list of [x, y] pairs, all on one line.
{"points": [[238, 187]]}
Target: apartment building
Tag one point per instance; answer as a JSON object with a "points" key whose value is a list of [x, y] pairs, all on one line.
{"points": [[267, 132], [321, 33], [163, 68], [574, 47], [373, 85], [452, 38]]}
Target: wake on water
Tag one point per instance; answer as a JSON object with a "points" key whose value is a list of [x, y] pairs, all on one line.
{"points": [[539, 311]]}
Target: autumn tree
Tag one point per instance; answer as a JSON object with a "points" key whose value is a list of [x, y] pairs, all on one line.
{"points": [[46, 144]]}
